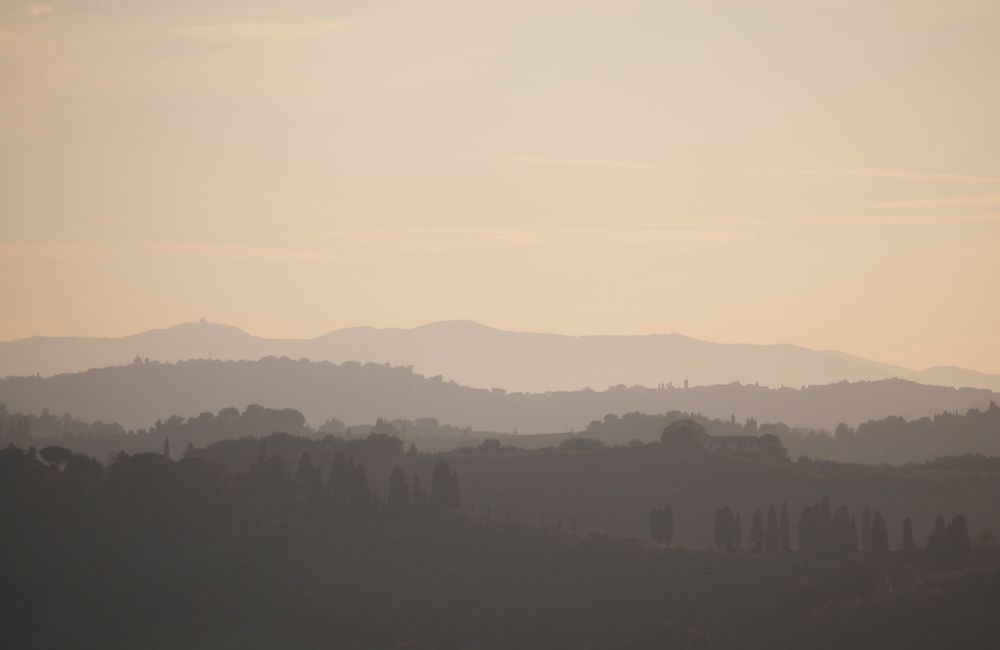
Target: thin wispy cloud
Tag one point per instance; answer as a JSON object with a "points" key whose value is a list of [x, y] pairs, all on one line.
{"points": [[880, 174], [36, 9], [263, 31], [50, 251], [586, 162], [370, 244], [839, 220], [240, 251], [908, 220], [978, 201], [440, 240]]}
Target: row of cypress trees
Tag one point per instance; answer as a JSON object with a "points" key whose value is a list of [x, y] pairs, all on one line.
{"points": [[661, 524], [823, 532], [347, 488], [727, 530]]}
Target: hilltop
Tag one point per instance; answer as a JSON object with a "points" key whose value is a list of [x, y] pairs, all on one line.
{"points": [[140, 393], [476, 355]]}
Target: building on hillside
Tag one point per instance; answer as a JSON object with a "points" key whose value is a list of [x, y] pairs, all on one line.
{"points": [[688, 437], [731, 444]]}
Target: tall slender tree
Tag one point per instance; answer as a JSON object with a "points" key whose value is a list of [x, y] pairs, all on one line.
{"points": [[771, 535], [717, 527], [880, 536], [957, 540], [399, 493], [305, 468], [757, 531], [908, 546], [936, 544], [445, 491], [728, 528], [866, 531], [656, 525], [843, 533], [417, 496], [668, 524], [784, 533], [337, 484], [360, 494], [724, 528], [307, 479]]}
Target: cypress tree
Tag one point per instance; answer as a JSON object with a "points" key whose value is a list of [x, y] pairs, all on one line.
{"points": [[784, 534], [757, 531], [717, 528], [417, 497], [728, 528], [307, 476], [445, 490], [399, 493], [656, 525], [842, 533], [879, 536], [455, 491], [936, 545], [866, 531], [661, 524], [305, 469], [360, 493], [810, 527], [724, 528], [166, 448], [908, 546], [738, 540], [338, 481], [771, 535], [957, 544]]}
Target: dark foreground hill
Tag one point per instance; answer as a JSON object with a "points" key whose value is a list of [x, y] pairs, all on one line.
{"points": [[477, 355], [612, 490], [157, 555], [137, 394], [892, 440]]}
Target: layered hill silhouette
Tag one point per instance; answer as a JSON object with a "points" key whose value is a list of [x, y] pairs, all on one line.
{"points": [[139, 393], [480, 356]]}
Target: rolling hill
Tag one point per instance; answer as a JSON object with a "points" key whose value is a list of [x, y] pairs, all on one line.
{"points": [[139, 393], [480, 356]]}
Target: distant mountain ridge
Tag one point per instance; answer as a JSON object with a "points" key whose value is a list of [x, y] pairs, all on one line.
{"points": [[140, 393], [481, 356]]}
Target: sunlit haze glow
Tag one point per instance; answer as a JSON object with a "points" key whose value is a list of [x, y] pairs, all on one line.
{"points": [[821, 172]]}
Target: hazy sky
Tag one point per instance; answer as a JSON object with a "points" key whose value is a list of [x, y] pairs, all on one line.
{"points": [[819, 172]]}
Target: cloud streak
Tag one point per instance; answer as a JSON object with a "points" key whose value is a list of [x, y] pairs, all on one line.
{"points": [[979, 201], [880, 173], [243, 32], [908, 220], [582, 162], [843, 220], [51, 251], [240, 251], [36, 9]]}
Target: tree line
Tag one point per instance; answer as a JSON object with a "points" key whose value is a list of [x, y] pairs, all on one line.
{"points": [[824, 533], [149, 480]]}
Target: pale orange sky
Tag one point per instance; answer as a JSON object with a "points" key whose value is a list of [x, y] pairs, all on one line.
{"points": [[818, 172]]}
